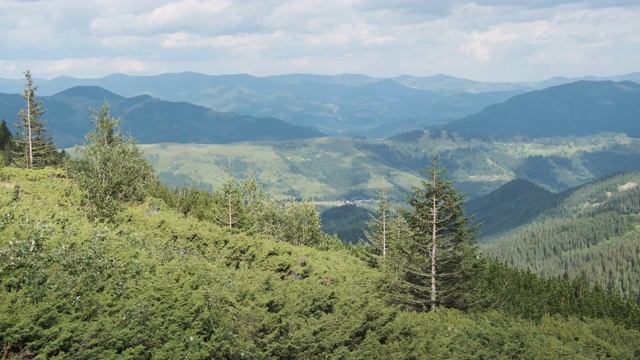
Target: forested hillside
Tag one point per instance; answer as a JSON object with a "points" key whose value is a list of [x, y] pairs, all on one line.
{"points": [[100, 259], [577, 109], [592, 232], [155, 283], [347, 222], [516, 203]]}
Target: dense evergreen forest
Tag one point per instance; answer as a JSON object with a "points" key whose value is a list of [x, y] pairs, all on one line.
{"points": [[591, 233], [99, 260]]}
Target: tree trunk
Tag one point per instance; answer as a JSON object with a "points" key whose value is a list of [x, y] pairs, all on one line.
{"points": [[384, 234], [434, 249], [29, 134]]}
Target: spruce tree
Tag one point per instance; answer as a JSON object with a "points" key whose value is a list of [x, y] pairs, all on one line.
{"points": [[436, 262], [34, 148], [6, 142]]}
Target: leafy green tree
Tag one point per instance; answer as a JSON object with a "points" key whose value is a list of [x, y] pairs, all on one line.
{"points": [[111, 168], [439, 258], [34, 147], [303, 223]]}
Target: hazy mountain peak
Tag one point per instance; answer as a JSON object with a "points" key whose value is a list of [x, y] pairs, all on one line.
{"points": [[89, 92]]}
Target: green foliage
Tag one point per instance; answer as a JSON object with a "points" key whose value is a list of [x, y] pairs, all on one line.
{"points": [[111, 169], [156, 284], [245, 207], [6, 144], [388, 232], [525, 294], [380, 229], [348, 222]]}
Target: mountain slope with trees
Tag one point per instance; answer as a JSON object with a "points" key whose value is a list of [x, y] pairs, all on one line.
{"points": [[576, 109], [515, 203], [163, 275], [336, 169], [155, 283], [591, 233]]}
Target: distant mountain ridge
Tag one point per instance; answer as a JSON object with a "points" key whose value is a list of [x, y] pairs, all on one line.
{"points": [[150, 120], [521, 202], [342, 105], [576, 109]]}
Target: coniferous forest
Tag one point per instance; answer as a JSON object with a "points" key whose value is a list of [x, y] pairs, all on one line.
{"points": [[99, 259]]}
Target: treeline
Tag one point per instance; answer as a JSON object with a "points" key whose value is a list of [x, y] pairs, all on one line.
{"points": [[243, 206]]}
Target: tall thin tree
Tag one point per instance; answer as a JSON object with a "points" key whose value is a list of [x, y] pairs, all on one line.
{"points": [[34, 146]]}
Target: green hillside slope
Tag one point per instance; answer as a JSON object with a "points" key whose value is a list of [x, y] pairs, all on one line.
{"points": [[513, 204], [155, 284]]}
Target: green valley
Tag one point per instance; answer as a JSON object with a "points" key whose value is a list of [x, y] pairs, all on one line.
{"points": [[331, 169]]}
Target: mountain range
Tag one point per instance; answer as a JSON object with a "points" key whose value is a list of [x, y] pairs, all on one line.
{"points": [[576, 109], [289, 164], [376, 107], [150, 120], [344, 105]]}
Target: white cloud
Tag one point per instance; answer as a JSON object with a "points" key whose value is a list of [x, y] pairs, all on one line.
{"points": [[196, 15], [485, 40], [85, 66]]}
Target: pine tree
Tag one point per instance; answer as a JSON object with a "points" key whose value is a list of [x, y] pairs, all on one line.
{"points": [[6, 142], [34, 147], [439, 257]]}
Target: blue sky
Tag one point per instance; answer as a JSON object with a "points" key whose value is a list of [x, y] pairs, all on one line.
{"points": [[493, 40]]}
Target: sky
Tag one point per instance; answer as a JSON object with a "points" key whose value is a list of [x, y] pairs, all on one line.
{"points": [[492, 40]]}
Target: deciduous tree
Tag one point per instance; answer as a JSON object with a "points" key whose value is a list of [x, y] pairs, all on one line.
{"points": [[111, 168]]}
